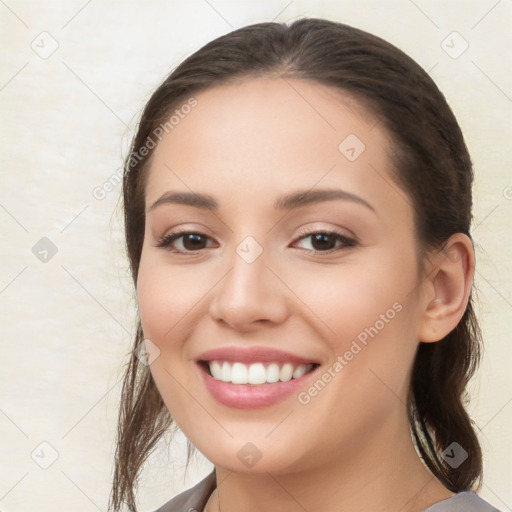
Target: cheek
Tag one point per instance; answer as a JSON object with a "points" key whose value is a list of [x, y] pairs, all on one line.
{"points": [[359, 299], [369, 315], [167, 295]]}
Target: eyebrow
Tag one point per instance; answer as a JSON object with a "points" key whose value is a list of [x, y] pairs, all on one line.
{"points": [[303, 198], [203, 201], [287, 202]]}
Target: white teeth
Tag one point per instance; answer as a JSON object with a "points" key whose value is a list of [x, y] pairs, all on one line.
{"points": [[216, 370], [239, 373], [286, 372], [272, 372], [226, 372], [299, 371], [256, 373]]}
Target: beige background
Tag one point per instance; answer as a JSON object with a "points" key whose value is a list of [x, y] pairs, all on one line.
{"points": [[67, 118]]}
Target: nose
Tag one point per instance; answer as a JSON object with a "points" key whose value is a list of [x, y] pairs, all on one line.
{"points": [[249, 296]]}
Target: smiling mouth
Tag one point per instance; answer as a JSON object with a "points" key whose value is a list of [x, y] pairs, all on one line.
{"points": [[257, 373]]}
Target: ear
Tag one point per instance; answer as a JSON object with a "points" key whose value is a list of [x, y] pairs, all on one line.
{"points": [[446, 288]]}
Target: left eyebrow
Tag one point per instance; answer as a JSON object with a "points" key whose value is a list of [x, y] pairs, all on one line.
{"points": [[305, 197]]}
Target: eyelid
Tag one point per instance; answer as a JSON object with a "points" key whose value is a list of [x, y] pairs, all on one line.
{"points": [[346, 233]]}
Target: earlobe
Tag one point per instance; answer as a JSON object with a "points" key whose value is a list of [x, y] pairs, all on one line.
{"points": [[449, 282]]}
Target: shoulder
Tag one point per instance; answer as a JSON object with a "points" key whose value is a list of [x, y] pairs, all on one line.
{"points": [[193, 499], [463, 502]]}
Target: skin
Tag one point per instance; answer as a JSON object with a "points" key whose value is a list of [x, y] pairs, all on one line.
{"points": [[246, 144]]}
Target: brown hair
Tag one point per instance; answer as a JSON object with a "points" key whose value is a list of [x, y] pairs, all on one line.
{"points": [[432, 165]]}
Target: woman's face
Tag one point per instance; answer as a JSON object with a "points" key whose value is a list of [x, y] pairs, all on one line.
{"points": [[284, 325]]}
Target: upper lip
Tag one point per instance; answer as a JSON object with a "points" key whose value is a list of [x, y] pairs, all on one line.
{"points": [[253, 355]]}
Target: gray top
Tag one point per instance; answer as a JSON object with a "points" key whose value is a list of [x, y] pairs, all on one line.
{"points": [[194, 500], [462, 502]]}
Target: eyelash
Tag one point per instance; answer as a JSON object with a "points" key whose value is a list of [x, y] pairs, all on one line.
{"points": [[346, 242]]}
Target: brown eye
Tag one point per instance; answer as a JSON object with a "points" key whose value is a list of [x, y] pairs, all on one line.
{"points": [[184, 242], [325, 241], [194, 241]]}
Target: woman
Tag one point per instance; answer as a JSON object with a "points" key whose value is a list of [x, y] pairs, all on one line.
{"points": [[297, 206]]}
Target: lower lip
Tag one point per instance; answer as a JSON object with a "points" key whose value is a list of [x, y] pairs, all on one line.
{"points": [[247, 396]]}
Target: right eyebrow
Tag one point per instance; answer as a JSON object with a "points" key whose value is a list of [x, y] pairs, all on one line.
{"points": [[203, 201]]}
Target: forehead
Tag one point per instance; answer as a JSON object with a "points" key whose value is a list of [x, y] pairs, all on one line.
{"points": [[268, 135]]}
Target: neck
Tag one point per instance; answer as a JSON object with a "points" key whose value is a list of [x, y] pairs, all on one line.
{"points": [[383, 473]]}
